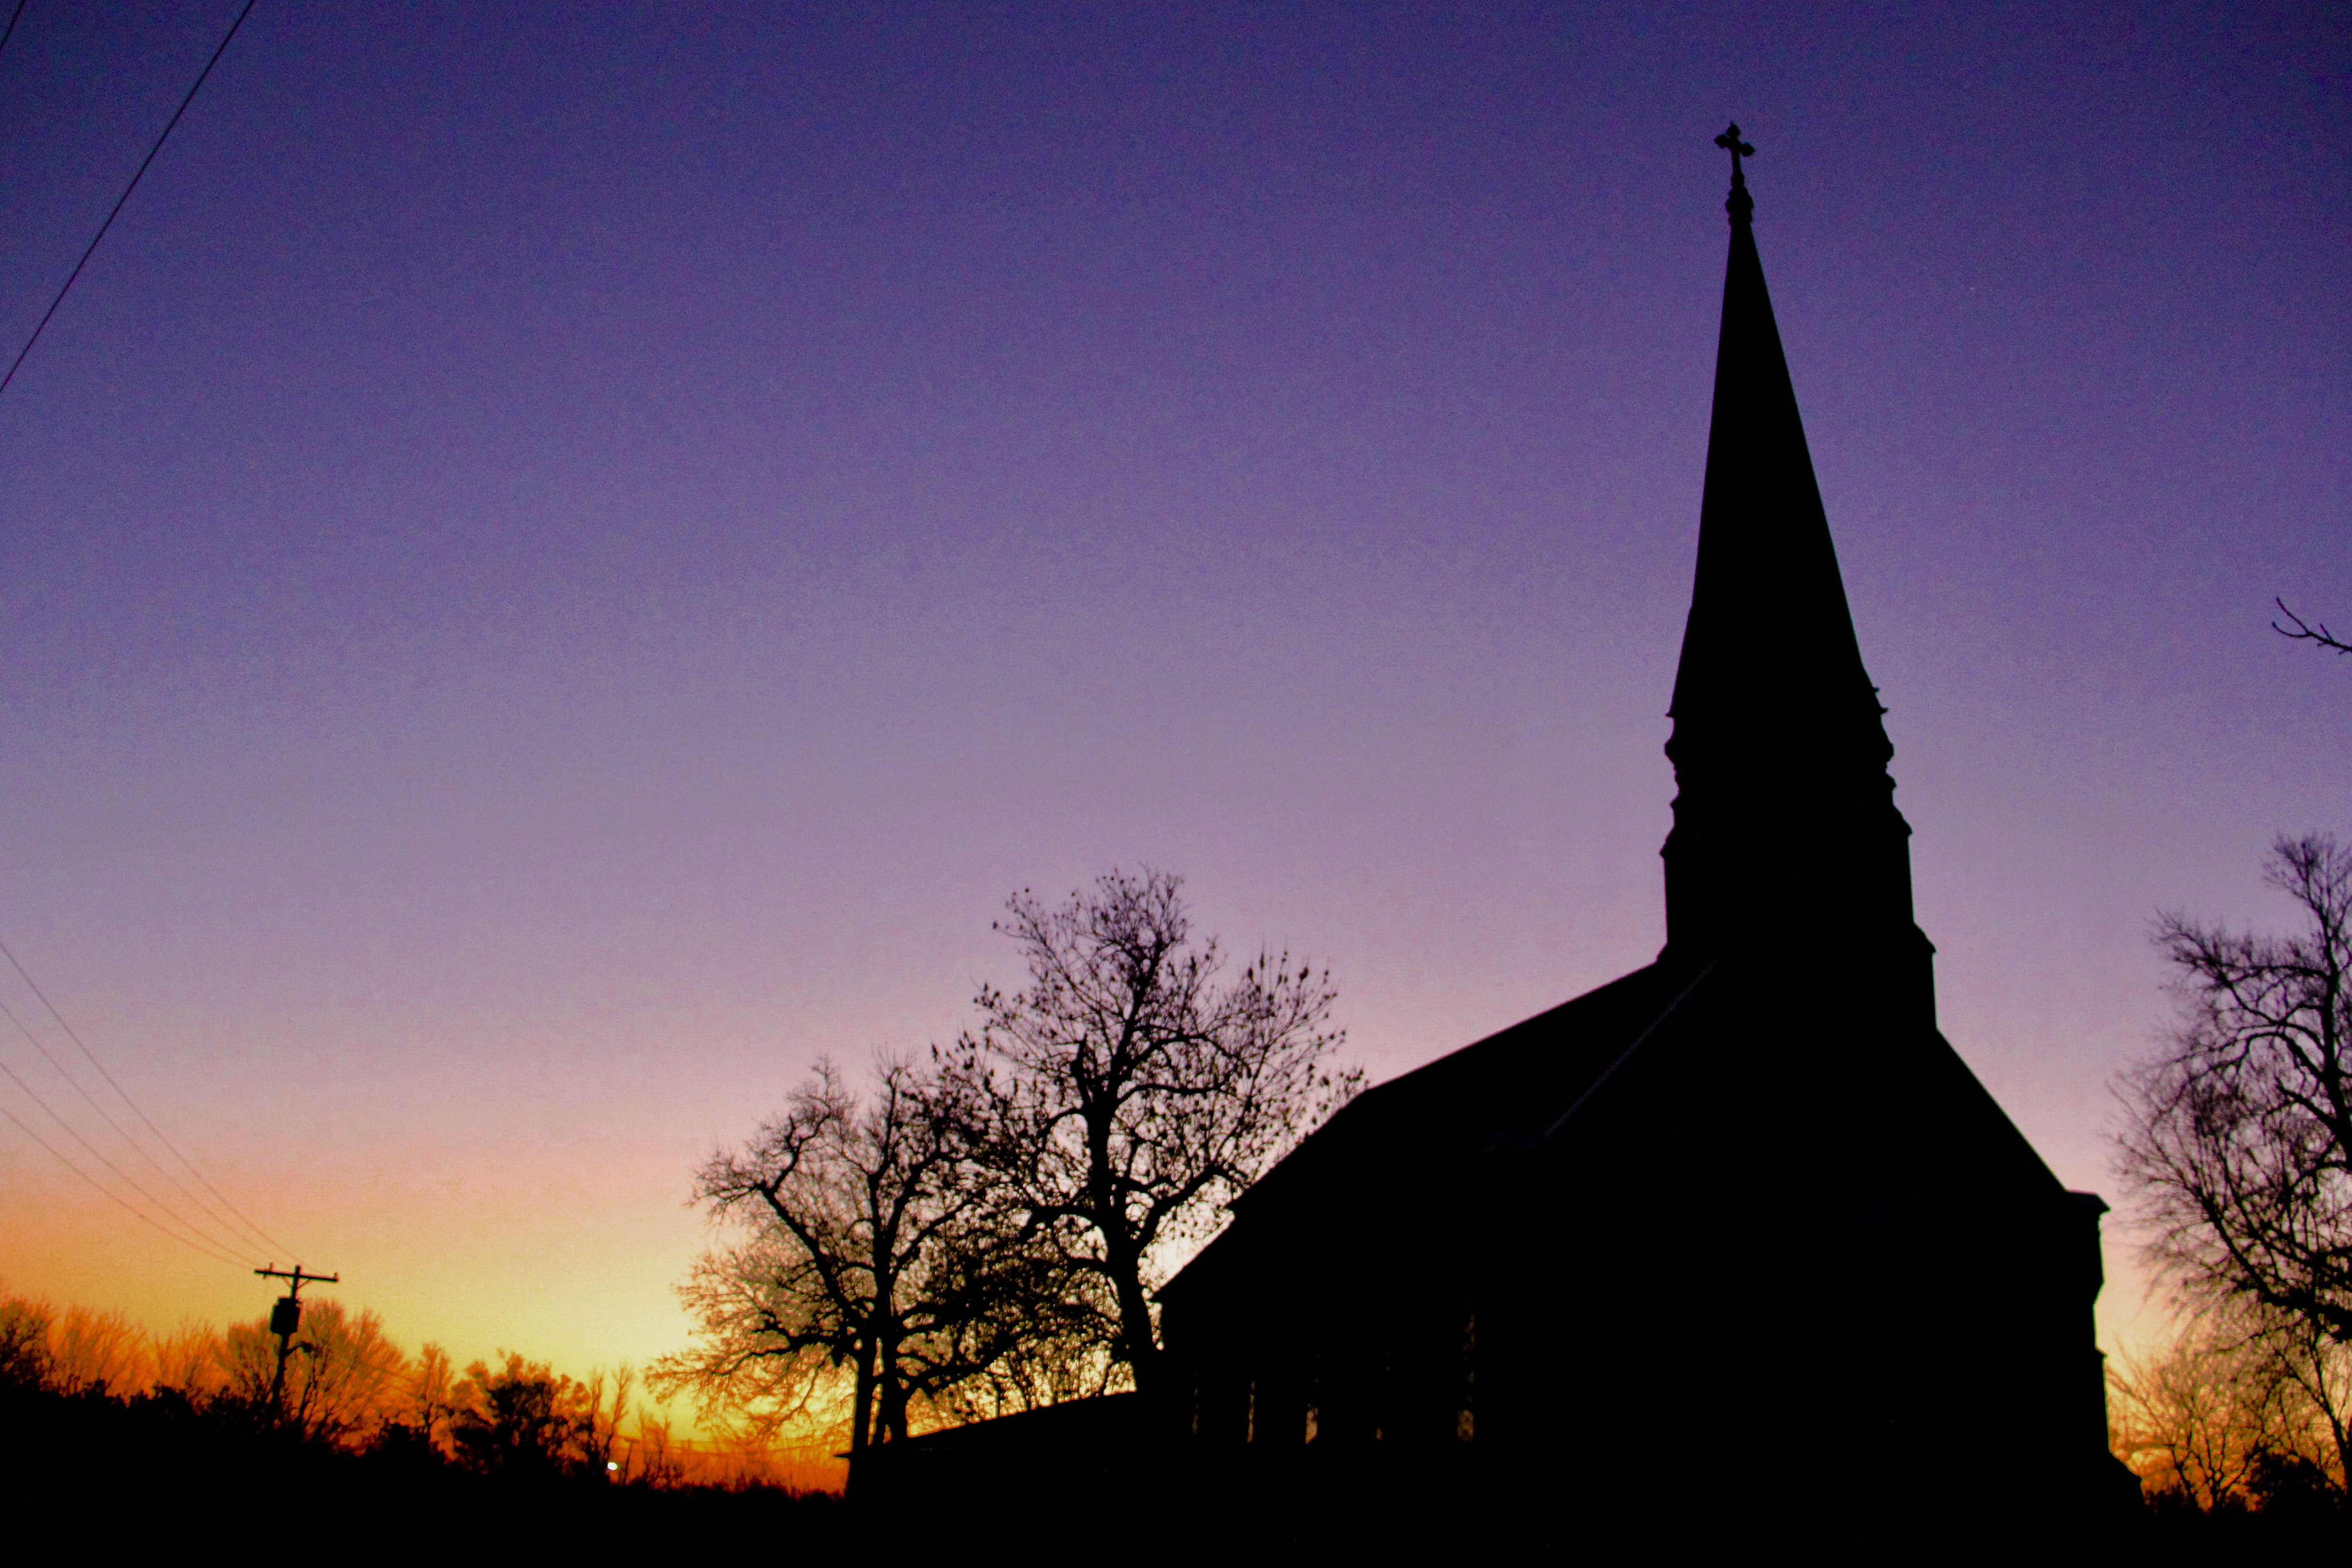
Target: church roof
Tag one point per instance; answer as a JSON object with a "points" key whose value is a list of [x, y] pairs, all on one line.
{"points": [[1503, 1094], [1512, 1092]]}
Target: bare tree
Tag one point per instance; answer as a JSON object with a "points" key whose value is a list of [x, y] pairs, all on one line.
{"points": [[2237, 1142], [431, 1400], [2316, 1372], [188, 1361], [868, 1247], [25, 1326], [343, 1372], [600, 1428], [1129, 1092], [97, 1353], [2194, 1416], [2300, 632], [2233, 1403]]}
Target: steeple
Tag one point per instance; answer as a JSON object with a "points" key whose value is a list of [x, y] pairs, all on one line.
{"points": [[1785, 827]]}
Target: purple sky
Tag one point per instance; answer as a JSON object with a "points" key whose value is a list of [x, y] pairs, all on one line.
{"points": [[559, 564]]}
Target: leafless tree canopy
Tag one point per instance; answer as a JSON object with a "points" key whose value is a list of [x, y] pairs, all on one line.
{"points": [[2238, 1140], [867, 1246], [341, 1367], [1132, 1090], [2230, 1411]]}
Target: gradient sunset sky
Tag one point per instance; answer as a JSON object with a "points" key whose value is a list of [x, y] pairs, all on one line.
{"points": [[563, 559]]}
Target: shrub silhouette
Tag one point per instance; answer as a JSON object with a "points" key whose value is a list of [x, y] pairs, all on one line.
{"points": [[523, 1421]]}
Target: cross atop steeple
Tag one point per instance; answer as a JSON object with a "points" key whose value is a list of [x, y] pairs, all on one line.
{"points": [[1741, 203]]}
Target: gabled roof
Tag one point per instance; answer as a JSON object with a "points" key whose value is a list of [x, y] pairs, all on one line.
{"points": [[1510, 1091], [1505, 1091]]}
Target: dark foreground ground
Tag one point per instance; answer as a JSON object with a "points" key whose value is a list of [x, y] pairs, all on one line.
{"points": [[155, 1478]]}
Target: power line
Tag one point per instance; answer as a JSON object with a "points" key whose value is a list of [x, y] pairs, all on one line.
{"points": [[110, 1193], [75, 1035], [11, 31], [97, 1155], [209, 1245], [134, 1144], [124, 1176], [133, 185]]}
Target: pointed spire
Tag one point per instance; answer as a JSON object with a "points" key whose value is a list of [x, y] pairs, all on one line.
{"points": [[1786, 815], [1767, 609]]}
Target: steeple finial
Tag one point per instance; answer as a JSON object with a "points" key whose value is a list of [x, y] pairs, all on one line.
{"points": [[1741, 203]]}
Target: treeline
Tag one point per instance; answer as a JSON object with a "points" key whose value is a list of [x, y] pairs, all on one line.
{"points": [[97, 1414]]}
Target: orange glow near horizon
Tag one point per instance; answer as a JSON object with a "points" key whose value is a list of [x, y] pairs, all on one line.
{"points": [[560, 1271]]}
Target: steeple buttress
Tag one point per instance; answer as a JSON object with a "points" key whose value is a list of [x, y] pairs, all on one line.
{"points": [[1785, 826]]}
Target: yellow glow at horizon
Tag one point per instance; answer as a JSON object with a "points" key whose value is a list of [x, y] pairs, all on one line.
{"points": [[556, 1268]]}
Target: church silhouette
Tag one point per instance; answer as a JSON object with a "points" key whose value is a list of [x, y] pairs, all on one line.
{"points": [[1743, 1215], [1735, 1237]]}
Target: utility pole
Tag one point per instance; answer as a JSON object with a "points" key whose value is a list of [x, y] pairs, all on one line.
{"points": [[284, 1319]]}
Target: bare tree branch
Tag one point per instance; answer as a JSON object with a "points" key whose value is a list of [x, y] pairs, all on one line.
{"points": [[2302, 633]]}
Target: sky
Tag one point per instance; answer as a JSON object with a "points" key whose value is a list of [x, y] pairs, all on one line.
{"points": [[562, 561]]}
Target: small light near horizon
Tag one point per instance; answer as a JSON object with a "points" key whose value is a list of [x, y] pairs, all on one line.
{"points": [[612, 1464]]}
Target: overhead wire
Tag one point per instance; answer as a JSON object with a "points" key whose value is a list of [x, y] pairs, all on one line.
{"points": [[128, 1208], [140, 173], [196, 1235], [99, 1155], [75, 1035], [204, 1209]]}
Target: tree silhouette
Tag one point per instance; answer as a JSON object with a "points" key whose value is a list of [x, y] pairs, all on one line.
{"points": [[2229, 1412], [342, 1368], [25, 1342], [430, 1400], [2238, 1139], [523, 1421], [1129, 1092], [869, 1246], [2194, 1416]]}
